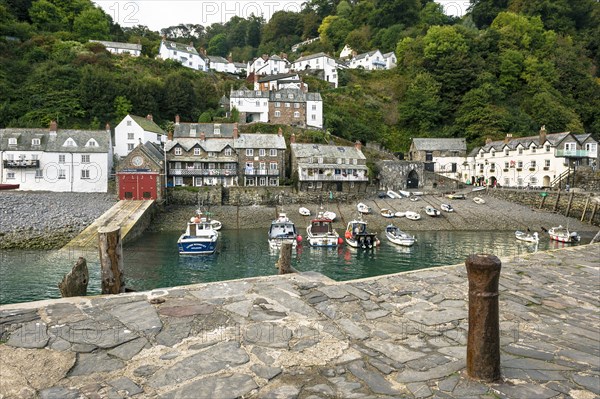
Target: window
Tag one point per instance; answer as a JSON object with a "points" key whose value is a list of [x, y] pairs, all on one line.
{"points": [[70, 143], [520, 164], [339, 161], [591, 147], [273, 181], [277, 114], [533, 149], [480, 155], [212, 154], [262, 181], [91, 143], [178, 181], [177, 165], [296, 105], [61, 158], [85, 174], [314, 107], [128, 123], [34, 157], [130, 147], [35, 142], [532, 164], [12, 141], [492, 166], [265, 103], [211, 166], [278, 95], [217, 129], [85, 159], [533, 180], [257, 103], [249, 152], [250, 182], [520, 151], [290, 95], [273, 152], [506, 152], [262, 152], [313, 117], [355, 161], [320, 160], [227, 152], [296, 114], [178, 151], [319, 184], [287, 105], [196, 151], [505, 165], [10, 175], [192, 132], [262, 166], [130, 136], [273, 166], [570, 147], [61, 174], [506, 181], [493, 153], [277, 104]]}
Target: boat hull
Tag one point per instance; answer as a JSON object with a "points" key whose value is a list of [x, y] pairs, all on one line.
{"points": [[275, 243], [196, 247], [403, 241], [367, 241], [321, 241]]}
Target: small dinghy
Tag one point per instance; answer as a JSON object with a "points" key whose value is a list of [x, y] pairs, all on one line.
{"points": [[431, 211], [528, 237], [412, 215], [478, 200], [398, 237], [400, 214], [386, 213], [304, 211], [562, 234], [393, 194], [330, 215], [414, 199], [447, 208], [362, 208]]}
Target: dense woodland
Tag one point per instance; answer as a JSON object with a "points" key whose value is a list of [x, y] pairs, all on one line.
{"points": [[506, 66]]}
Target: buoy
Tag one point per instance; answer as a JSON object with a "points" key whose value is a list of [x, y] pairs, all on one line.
{"points": [[299, 238], [340, 241], [348, 234]]}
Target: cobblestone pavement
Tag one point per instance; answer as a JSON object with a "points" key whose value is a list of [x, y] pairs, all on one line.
{"points": [[305, 336]]}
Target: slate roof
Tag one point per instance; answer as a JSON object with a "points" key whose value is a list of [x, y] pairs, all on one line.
{"points": [[210, 145], [388, 55], [217, 59], [444, 144], [298, 96], [153, 151], [183, 130], [148, 125], [125, 46], [25, 136], [499, 145], [269, 78], [186, 48], [311, 56], [245, 93], [260, 140], [326, 151], [363, 55]]}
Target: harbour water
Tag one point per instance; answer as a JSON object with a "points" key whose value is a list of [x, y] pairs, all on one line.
{"points": [[153, 262]]}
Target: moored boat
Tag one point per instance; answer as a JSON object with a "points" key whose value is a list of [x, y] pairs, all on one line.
{"points": [[357, 235], [400, 214], [431, 211], [412, 215], [478, 200], [455, 196], [362, 208], [393, 194], [330, 215], [304, 211], [200, 238], [283, 230], [386, 213], [563, 234], [320, 232], [399, 237], [4, 186], [527, 237], [447, 208], [404, 193]]}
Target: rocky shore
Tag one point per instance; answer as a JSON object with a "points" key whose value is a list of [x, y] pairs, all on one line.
{"points": [[44, 220]]}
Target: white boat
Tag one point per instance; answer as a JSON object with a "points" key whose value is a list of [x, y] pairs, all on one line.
{"points": [[404, 193], [397, 236], [320, 232], [357, 235], [478, 200], [283, 230], [362, 208], [456, 196], [417, 193], [480, 188], [304, 211], [414, 199], [526, 236], [400, 214], [200, 238], [431, 211], [447, 208], [393, 194], [205, 217], [330, 215], [413, 215], [562, 234], [386, 213]]}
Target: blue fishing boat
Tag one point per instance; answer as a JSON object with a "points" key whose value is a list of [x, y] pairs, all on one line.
{"points": [[200, 238]]}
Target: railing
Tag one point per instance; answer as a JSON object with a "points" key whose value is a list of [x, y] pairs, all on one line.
{"points": [[22, 163], [202, 172], [574, 153], [323, 177], [261, 172]]}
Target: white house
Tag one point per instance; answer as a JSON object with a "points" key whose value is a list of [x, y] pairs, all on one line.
{"points": [[187, 55], [220, 64], [319, 62], [346, 52], [279, 81], [441, 155], [266, 65], [390, 60], [133, 130], [56, 160], [537, 161], [254, 104], [369, 61], [296, 46], [132, 49], [314, 110]]}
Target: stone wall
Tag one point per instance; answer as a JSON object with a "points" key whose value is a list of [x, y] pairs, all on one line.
{"points": [[555, 201], [207, 195]]}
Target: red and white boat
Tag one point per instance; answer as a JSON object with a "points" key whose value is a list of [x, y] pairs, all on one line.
{"points": [[320, 232], [562, 234]]}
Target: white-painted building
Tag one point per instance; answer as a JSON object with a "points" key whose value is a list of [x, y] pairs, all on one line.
{"points": [[390, 60], [220, 64], [187, 55], [537, 161], [134, 130], [368, 61], [319, 62], [279, 81], [296, 46], [254, 104], [266, 65], [314, 110], [132, 49], [445, 156], [347, 52], [56, 160]]}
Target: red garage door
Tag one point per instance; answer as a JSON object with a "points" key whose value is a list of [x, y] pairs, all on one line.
{"points": [[137, 186]]}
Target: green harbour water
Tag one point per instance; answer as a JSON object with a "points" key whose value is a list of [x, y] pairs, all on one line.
{"points": [[152, 261]]}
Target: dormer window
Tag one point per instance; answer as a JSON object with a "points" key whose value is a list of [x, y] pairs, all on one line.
{"points": [[196, 151], [70, 143], [228, 152], [520, 151], [533, 149], [178, 151], [493, 153], [12, 141], [506, 152], [91, 143], [35, 142], [192, 132], [217, 129]]}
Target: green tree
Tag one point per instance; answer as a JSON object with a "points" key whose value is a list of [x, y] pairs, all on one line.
{"points": [[47, 17], [122, 107], [218, 45], [92, 23], [420, 109], [483, 12], [334, 30]]}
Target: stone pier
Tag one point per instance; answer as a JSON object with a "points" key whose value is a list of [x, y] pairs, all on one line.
{"points": [[306, 336]]}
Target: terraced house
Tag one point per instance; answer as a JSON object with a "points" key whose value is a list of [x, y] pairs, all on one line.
{"points": [[261, 159]]}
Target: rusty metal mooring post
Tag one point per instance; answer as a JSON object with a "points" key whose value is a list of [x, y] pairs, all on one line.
{"points": [[483, 342]]}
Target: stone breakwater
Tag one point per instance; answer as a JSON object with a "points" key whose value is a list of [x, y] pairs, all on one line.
{"points": [[33, 220], [306, 336]]}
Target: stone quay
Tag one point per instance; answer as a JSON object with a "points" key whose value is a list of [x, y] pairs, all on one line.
{"points": [[306, 336]]}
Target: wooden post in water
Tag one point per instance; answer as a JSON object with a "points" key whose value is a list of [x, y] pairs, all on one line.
{"points": [[569, 204], [543, 200], [594, 212], [587, 202], [483, 339], [285, 259], [75, 282], [111, 259], [556, 202]]}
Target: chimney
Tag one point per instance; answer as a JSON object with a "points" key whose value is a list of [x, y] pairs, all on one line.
{"points": [[149, 117], [358, 145], [508, 138], [177, 119], [283, 56], [53, 129], [488, 141], [279, 132], [542, 135], [293, 138], [235, 131], [170, 135], [202, 136]]}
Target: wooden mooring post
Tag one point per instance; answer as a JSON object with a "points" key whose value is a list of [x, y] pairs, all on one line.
{"points": [[569, 204], [285, 259], [556, 202], [111, 259], [593, 212], [587, 202], [76, 281], [483, 340]]}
